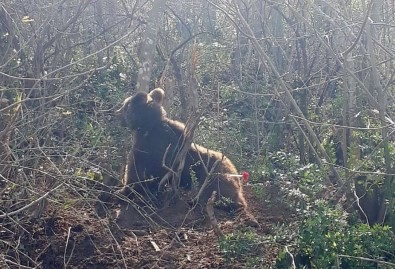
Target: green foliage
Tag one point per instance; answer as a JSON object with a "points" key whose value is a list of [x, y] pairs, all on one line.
{"points": [[330, 147], [224, 202], [260, 192], [92, 133], [326, 234], [298, 182], [89, 174], [321, 236], [275, 137], [283, 161], [240, 246], [377, 243], [287, 183], [312, 178], [195, 182], [214, 63]]}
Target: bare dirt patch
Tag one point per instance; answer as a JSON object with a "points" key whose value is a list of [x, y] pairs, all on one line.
{"points": [[77, 238]]}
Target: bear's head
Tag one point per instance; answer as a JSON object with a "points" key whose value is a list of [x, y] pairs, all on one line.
{"points": [[143, 111]]}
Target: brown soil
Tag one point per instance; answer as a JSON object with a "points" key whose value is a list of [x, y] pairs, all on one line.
{"points": [[77, 238]]}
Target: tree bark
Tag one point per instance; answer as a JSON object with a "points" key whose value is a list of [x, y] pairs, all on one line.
{"points": [[4, 141], [383, 104], [147, 52]]}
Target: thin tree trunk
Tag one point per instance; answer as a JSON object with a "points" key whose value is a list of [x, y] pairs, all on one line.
{"points": [[350, 145], [4, 139], [148, 44], [265, 58], [278, 60], [382, 101]]}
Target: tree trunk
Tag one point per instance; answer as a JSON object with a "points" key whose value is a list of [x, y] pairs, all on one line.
{"points": [[277, 132], [4, 141], [147, 47], [382, 101]]}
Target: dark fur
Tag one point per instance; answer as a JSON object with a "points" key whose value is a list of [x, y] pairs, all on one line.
{"points": [[153, 133]]}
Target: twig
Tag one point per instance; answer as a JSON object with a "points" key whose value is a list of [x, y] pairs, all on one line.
{"points": [[170, 172], [29, 205], [366, 259], [178, 164], [65, 250], [154, 245], [292, 257], [359, 205], [211, 215], [207, 179]]}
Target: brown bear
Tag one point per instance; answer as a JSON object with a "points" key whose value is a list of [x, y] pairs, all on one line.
{"points": [[154, 136]]}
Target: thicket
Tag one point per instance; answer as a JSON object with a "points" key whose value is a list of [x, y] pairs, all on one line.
{"points": [[298, 93]]}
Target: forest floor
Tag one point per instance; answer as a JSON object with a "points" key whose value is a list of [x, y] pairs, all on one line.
{"points": [[75, 237]]}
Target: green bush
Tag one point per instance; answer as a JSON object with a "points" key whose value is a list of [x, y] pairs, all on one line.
{"points": [[326, 234], [240, 246]]}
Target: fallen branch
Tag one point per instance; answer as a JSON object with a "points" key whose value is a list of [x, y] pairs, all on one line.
{"points": [[211, 215]]}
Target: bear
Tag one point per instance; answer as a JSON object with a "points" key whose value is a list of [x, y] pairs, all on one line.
{"points": [[156, 142]]}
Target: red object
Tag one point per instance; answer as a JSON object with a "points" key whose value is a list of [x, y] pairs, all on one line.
{"points": [[245, 176]]}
